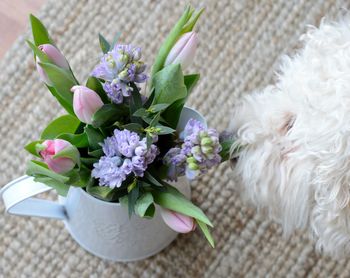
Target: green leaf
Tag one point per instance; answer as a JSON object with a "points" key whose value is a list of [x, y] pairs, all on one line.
{"points": [[95, 137], [142, 112], [31, 147], [190, 24], [135, 104], [149, 101], [104, 44], [169, 42], [65, 104], [78, 140], [164, 130], [40, 34], [38, 53], [152, 179], [115, 39], [173, 112], [88, 161], [158, 107], [60, 125], [225, 149], [38, 168], [169, 85], [62, 81], [191, 81], [149, 140], [174, 200], [155, 120], [132, 197], [124, 201], [101, 192], [134, 127], [94, 84], [206, 232], [144, 204], [61, 188], [79, 177], [96, 153], [109, 114]]}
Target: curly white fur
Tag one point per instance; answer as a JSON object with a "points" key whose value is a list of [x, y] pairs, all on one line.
{"points": [[295, 137]]}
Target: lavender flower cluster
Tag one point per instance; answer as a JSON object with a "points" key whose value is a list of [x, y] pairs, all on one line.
{"points": [[118, 68], [198, 153], [125, 153]]}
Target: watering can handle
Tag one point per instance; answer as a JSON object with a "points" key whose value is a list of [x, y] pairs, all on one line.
{"points": [[17, 199]]}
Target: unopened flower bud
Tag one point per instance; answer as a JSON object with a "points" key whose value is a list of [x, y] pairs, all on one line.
{"points": [[55, 57], [50, 148], [183, 51], [86, 102], [178, 222]]}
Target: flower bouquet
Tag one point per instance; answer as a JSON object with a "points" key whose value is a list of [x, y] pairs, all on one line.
{"points": [[121, 144]]}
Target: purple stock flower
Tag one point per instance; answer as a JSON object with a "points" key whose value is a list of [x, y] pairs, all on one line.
{"points": [[118, 68], [198, 153], [125, 153]]}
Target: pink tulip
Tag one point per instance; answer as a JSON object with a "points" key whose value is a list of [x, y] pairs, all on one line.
{"points": [[85, 103], [49, 148], [55, 56], [183, 51], [178, 222]]}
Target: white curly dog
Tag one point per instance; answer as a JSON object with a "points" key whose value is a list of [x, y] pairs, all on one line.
{"points": [[294, 138]]}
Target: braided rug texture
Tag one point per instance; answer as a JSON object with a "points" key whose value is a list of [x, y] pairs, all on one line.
{"points": [[241, 42]]}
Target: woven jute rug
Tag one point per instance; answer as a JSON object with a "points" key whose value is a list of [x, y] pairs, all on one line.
{"points": [[241, 42]]}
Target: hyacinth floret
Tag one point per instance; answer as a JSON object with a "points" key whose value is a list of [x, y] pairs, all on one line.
{"points": [[125, 153], [119, 68]]}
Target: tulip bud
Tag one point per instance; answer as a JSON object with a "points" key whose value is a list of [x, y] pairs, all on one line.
{"points": [[61, 163], [178, 222], [183, 51], [85, 103], [55, 56]]}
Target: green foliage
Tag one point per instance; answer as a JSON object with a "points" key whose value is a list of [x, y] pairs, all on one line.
{"points": [[62, 81], [31, 147], [104, 193], [61, 125], [172, 199], [94, 84], [104, 44], [134, 127], [170, 40], [60, 187], [192, 22], [225, 151], [38, 53], [108, 114], [206, 232], [132, 198], [40, 34], [144, 206], [135, 104], [191, 81], [78, 140], [95, 137], [169, 85]]}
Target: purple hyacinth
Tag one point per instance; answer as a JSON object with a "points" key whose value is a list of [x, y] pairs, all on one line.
{"points": [[118, 68], [125, 153], [198, 153]]}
